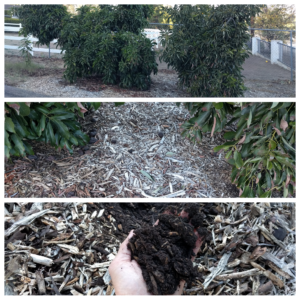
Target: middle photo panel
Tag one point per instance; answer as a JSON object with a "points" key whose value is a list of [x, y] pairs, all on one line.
{"points": [[150, 149]]}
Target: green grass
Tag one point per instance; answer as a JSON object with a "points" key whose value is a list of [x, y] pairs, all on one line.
{"points": [[20, 67], [16, 72]]}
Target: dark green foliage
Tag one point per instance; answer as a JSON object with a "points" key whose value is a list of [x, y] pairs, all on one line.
{"points": [[49, 122], [42, 21], [131, 18], [261, 150], [107, 41], [207, 48], [12, 20]]}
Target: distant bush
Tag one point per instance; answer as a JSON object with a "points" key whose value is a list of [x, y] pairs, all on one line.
{"points": [[12, 20], [7, 12]]}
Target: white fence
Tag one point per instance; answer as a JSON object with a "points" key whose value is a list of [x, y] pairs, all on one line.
{"points": [[275, 53], [34, 49], [14, 27], [152, 34]]}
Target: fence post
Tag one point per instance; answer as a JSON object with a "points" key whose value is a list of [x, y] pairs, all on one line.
{"points": [[291, 39], [254, 45], [275, 51], [31, 37]]}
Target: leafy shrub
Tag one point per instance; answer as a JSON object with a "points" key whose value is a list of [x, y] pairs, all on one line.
{"points": [[261, 150], [42, 21], [48, 122], [107, 41], [12, 20], [207, 47], [26, 50]]}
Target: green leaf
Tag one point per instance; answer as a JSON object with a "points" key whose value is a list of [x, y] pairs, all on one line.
{"points": [[249, 119], [274, 104], [81, 136], [42, 109], [73, 140], [6, 139], [240, 130], [285, 161], [228, 154], [20, 127], [238, 159], [266, 194], [49, 134], [229, 135], [218, 105], [24, 109], [7, 151], [225, 146], [96, 105], [272, 145], [61, 128], [119, 103], [203, 117], [285, 190], [147, 175], [288, 145], [18, 143], [9, 125], [246, 192], [41, 125], [28, 148]]}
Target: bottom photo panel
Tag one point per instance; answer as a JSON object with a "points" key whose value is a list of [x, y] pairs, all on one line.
{"points": [[199, 248]]}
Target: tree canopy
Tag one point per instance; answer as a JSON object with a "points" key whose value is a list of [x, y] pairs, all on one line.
{"points": [[42, 21], [279, 16]]}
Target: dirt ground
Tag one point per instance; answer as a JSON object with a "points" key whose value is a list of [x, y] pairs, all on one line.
{"points": [[262, 80]]}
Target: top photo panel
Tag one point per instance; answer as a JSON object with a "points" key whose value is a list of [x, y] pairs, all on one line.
{"points": [[159, 51]]}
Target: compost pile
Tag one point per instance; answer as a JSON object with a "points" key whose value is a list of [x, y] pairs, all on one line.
{"points": [[164, 252], [66, 248]]}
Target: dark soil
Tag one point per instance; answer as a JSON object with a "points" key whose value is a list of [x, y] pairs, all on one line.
{"points": [[164, 252]]}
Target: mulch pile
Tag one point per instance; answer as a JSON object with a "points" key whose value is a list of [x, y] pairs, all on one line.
{"points": [[164, 252], [66, 248]]}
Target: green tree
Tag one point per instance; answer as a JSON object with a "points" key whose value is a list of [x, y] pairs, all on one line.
{"points": [[279, 16], [108, 41], [207, 48], [160, 15], [42, 21]]}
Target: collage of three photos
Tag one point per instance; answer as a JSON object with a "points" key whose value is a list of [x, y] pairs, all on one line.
{"points": [[140, 166]]}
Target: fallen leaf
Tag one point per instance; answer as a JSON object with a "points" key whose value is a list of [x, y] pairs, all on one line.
{"points": [[242, 140], [283, 125]]}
